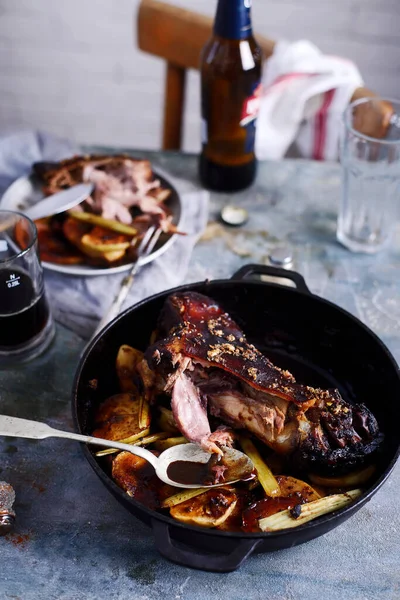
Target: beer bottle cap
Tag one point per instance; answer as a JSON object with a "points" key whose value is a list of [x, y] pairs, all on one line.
{"points": [[234, 215]]}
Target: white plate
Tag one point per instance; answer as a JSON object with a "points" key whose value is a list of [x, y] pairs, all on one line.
{"points": [[26, 191]]}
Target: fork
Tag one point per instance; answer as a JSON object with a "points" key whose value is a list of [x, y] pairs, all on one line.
{"points": [[145, 248]]}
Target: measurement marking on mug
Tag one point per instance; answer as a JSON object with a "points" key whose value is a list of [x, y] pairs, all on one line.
{"points": [[13, 281]]}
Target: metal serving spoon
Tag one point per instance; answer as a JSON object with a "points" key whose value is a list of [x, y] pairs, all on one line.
{"points": [[59, 202], [239, 466]]}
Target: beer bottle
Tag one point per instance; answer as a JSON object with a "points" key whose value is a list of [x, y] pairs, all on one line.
{"points": [[231, 63]]}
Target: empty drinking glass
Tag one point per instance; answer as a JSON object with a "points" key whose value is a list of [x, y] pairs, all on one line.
{"points": [[26, 326], [370, 178]]}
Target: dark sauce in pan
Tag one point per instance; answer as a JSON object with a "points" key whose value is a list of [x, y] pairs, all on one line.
{"points": [[196, 473], [190, 473], [265, 508]]}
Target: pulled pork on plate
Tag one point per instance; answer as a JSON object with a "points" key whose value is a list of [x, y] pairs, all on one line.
{"points": [[107, 227]]}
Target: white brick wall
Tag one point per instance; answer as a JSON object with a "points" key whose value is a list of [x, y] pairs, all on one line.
{"points": [[72, 67]]}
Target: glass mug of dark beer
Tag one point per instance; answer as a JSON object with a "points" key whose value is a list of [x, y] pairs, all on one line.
{"points": [[26, 325]]}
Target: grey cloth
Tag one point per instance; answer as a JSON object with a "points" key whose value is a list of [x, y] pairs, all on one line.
{"points": [[79, 302]]}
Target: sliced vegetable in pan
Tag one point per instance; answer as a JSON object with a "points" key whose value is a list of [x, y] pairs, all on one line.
{"points": [[264, 473], [302, 513]]}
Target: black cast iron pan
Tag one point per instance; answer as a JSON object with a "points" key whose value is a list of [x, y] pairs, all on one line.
{"points": [[321, 344]]}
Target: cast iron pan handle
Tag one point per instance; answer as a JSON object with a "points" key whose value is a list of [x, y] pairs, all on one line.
{"points": [[249, 270], [224, 563]]}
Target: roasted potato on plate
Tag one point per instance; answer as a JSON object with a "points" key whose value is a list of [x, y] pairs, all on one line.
{"points": [[100, 241], [56, 248], [95, 242]]}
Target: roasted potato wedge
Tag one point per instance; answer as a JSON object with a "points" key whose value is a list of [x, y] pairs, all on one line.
{"points": [[234, 521], [127, 361], [118, 417], [356, 478], [290, 485], [125, 468], [55, 248], [210, 509], [109, 224], [102, 240], [292, 492], [137, 477], [75, 231], [126, 364], [166, 421], [119, 404]]}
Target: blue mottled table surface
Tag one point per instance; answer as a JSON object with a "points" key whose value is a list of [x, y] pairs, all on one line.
{"points": [[73, 541]]}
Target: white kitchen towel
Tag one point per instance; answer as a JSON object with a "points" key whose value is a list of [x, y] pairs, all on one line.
{"points": [[304, 95], [80, 302]]}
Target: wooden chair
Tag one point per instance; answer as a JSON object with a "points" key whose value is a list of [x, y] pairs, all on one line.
{"points": [[178, 35]]}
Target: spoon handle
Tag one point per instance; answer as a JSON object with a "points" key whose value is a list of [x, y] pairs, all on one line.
{"points": [[34, 430], [59, 202]]}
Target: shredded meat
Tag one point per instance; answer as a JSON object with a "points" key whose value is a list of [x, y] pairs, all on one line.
{"points": [[122, 183], [120, 188], [222, 436], [219, 473], [208, 364], [190, 415]]}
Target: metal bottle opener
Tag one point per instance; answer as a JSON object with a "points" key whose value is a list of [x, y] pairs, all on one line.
{"points": [[7, 514]]}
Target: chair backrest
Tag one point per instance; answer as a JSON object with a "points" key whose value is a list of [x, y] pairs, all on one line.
{"points": [[177, 35]]}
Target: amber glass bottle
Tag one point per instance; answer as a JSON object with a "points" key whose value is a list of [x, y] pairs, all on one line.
{"points": [[231, 63]]}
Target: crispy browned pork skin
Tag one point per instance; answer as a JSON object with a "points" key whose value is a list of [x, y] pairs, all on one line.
{"points": [[203, 360]]}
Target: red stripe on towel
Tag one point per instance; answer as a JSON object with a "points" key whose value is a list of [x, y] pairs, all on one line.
{"points": [[320, 126]]}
